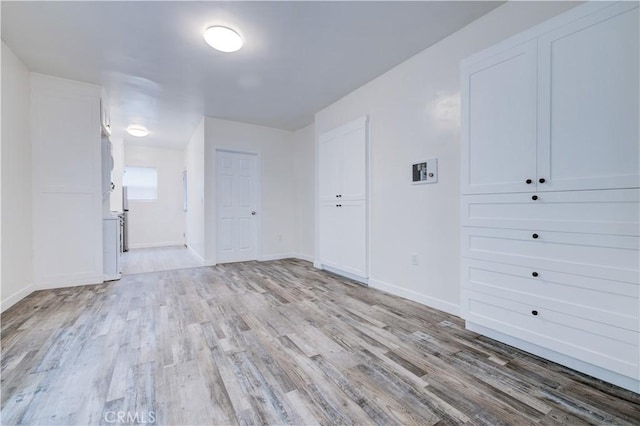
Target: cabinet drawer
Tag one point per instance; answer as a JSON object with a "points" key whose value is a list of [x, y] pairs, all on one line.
{"points": [[604, 212], [603, 256], [610, 347], [605, 301], [596, 297]]}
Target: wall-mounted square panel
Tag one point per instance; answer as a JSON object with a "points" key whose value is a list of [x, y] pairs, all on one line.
{"points": [[425, 171]]}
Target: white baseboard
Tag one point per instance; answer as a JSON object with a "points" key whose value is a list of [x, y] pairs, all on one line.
{"points": [[196, 254], [306, 257], [358, 278], [62, 282], [281, 256], [16, 297], [268, 257], [113, 277], [430, 301], [158, 244]]}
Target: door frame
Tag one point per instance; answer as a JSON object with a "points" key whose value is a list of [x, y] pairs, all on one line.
{"points": [[257, 181]]}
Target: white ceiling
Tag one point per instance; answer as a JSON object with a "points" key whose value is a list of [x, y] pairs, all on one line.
{"points": [[157, 70]]}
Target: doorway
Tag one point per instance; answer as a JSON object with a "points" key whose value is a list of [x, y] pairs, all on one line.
{"points": [[237, 200]]}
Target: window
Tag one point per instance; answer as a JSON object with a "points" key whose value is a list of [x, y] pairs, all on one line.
{"points": [[141, 183]]}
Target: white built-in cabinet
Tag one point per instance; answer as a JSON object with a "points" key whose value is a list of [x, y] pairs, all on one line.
{"points": [[556, 112], [550, 198], [342, 199], [67, 182]]}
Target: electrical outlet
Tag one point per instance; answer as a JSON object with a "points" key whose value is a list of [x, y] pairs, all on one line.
{"points": [[414, 259], [280, 237]]}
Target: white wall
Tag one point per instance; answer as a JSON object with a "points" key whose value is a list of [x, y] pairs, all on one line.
{"points": [[194, 164], [414, 113], [17, 211], [277, 212], [304, 178], [160, 222]]}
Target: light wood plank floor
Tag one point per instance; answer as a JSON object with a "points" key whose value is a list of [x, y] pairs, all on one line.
{"points": [[273, 343], [156, 259]]}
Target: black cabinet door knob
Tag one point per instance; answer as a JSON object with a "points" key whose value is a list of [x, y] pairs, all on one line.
{"points": [[534, 197], [535, 274], [535, 236], [541, 180], [534, 313], [528, 181]]}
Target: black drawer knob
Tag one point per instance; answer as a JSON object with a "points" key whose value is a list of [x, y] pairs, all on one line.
{"points": [[535, 274], [541, 180], [535, 236], [534, 197], [529, 181], [534, 313]]}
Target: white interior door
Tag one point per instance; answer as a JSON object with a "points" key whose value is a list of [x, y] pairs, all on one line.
{"points": [[237, 207]]}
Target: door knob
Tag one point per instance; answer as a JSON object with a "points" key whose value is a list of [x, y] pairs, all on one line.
{"points": [[253, 213]]}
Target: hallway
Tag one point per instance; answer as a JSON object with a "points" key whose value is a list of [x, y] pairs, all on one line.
{"points": [[157, 259]]}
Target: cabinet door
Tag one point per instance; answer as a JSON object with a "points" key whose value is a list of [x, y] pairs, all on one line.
{"points": [[330, 167], [354, 160], [589, 102], [330, 234], [354, 237], [499, 122]]}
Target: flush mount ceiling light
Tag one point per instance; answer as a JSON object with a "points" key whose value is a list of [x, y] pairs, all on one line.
{"points": [[223, 39], [137, 131]]}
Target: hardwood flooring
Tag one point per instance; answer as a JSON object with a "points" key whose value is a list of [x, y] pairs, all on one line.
{"points": [[273, 343], [156, 259]]}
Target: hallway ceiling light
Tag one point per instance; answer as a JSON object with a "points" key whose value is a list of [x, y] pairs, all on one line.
{"points": [[137, 131], [223, 39]]}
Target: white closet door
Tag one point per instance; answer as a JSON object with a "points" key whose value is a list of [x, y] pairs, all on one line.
{"points": [[330, 167], [354, 242], [354, 163], [330, 234], [499, 118], [589, 102]]}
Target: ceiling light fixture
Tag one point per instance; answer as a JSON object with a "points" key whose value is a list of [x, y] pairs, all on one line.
{"points": [[223, 39], [137, 131]]}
